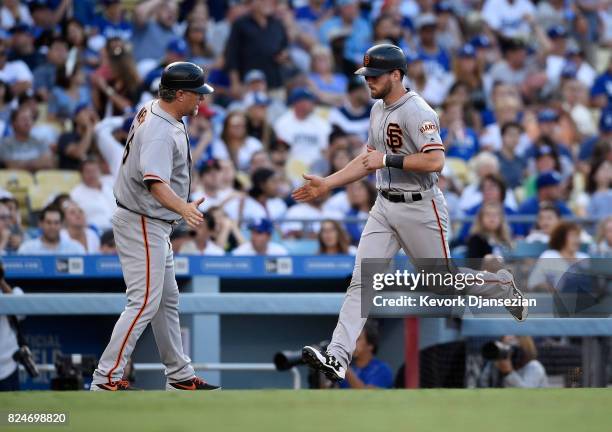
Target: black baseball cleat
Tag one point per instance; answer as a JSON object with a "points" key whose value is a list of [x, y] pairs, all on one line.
{"points": [[324, 362], [195, 383], [122, 385], [519, 312]]}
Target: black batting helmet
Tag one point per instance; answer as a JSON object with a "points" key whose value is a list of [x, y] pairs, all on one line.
{"points": [[381, 59], [185, 76]]}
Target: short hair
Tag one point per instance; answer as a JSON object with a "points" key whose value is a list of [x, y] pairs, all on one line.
{"points": [[91, 159], [558, 237], [108, 238], [510, 125], [166, 94], [50, 209], [372, 334]]}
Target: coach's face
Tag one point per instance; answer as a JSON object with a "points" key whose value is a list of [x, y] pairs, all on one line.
{"points": [[380, 86], [189, 101]]}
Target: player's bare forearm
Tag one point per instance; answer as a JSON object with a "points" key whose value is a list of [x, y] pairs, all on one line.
{"points": [[353, 171], [170, 200], [431, 161]]}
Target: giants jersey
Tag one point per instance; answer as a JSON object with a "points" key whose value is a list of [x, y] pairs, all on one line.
{"points": [[157, 149], [405, 127]]}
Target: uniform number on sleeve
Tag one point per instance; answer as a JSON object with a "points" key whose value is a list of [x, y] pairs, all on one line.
{"points": [[394, 137]]}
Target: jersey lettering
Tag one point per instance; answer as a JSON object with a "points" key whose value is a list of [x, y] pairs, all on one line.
{"points": [[394, 137]]}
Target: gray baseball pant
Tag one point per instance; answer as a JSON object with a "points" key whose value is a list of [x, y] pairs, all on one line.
{"points": [[147, 261], [419, 228]]}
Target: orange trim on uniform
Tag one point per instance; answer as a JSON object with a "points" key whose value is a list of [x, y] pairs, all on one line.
{"points": [[440, 228], [436, 146], [146, 299], [153, 177]]}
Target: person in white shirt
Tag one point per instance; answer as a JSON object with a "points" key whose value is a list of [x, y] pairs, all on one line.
{"points": [[508, 17], [202, 244], [9, 372], [51, 242], [16, 73], [262, 202], [76, 228], [211, 187], [311, 211], [305, 131], [111, 134], [260, 244], [553, 264], [235, 144], [95, 195]]}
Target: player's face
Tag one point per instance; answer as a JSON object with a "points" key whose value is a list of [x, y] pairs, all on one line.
{"points": [[380, 86]]}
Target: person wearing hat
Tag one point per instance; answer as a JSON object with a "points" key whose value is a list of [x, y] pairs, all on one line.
{"points": [[260, 244], [548, 186], [23, 47], [436, 59], [585, 73], [258, 126], [201, 133], [353, 117], [111, 22], [433, 88], [176, 50], [598, 146], [305, 131], [152, 197]]}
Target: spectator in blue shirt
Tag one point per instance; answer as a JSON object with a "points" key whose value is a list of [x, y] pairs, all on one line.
{"points": [[111, 23], [588, 149], [548, 185], [460, 141], [601, 92], [366, 371], [360, 37], [437, 60], [511, 166]]}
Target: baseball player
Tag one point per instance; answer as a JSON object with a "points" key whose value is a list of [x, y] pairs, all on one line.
{"points": [[151, 190], [405, 150]]}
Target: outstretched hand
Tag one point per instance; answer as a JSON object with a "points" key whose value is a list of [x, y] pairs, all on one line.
{"points": [[372, 159], [312, 189], [191, 214]]}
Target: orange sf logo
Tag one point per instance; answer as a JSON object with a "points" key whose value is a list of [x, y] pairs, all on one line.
{"points": [[366, 60]]}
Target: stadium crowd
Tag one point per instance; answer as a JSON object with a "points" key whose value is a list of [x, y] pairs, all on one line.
{"points": [[523, 90]]}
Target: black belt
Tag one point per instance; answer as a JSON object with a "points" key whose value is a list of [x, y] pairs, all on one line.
{"points": [[401, 196], [174, 222]]}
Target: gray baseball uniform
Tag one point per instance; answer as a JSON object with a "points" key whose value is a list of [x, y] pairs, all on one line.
{"points": [[418, 226], [157, 149]]}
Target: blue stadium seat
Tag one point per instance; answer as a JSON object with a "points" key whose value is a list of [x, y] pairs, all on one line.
{"points": [[525, 249]]}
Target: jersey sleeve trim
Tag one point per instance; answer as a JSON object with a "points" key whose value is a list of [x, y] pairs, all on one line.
{"points": [[436, 146], [153, 177]]}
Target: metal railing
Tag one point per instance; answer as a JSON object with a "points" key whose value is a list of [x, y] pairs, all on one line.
{"points": [[251, 367]]}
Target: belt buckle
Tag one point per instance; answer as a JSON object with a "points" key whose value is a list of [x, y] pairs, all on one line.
{"points": [[417, 196]]}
